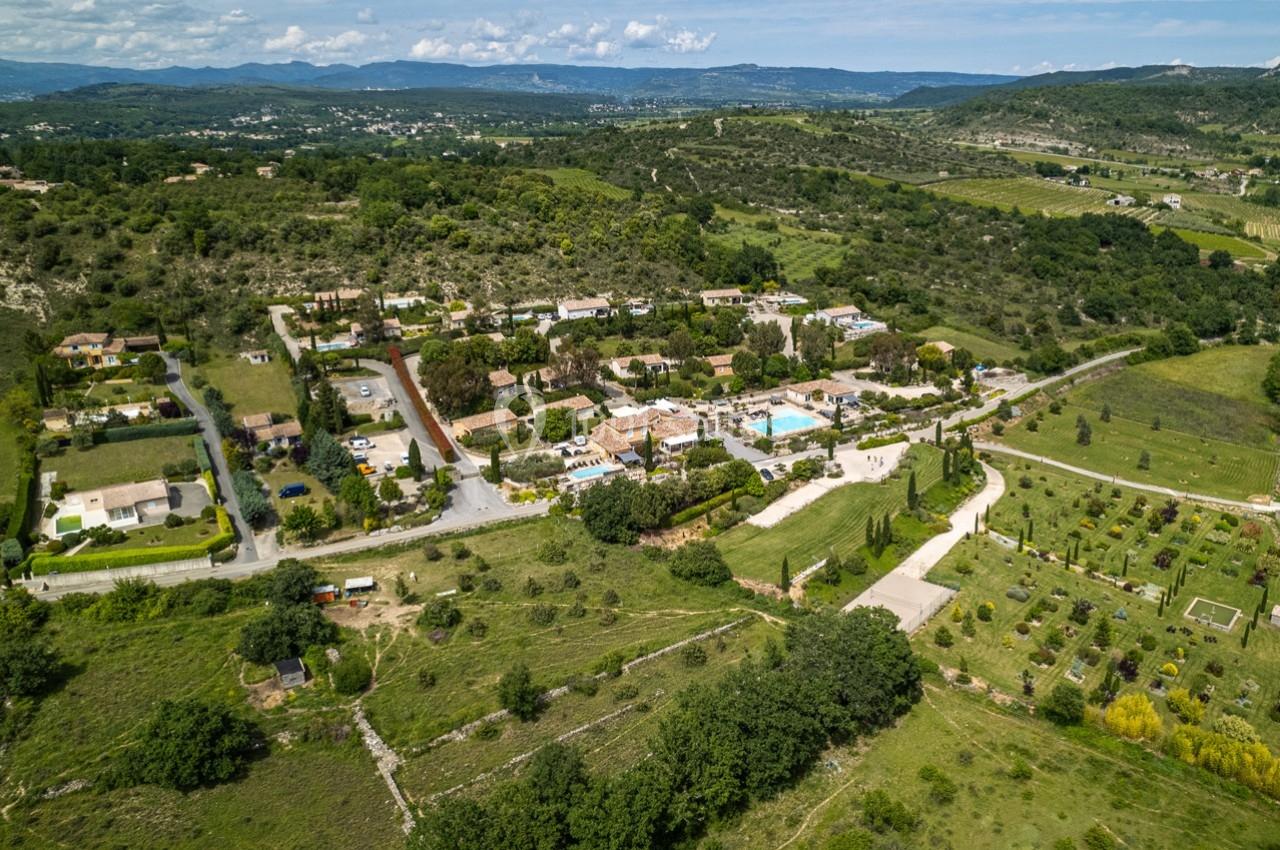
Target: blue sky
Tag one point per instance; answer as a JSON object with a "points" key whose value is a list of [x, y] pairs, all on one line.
{"points": [[1004, 36]]}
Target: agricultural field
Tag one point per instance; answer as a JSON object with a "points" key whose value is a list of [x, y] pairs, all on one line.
{"points": [[835, 522], [247, 389], [984, 349], [1260, 221], [1223, 555], [118, 463], [1177, 459], [1027, 194], [1071, 782], [799, 252], [580, 178], [1208, 242]]}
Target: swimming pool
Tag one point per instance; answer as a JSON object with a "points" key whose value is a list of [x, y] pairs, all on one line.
{"points": [[863, 324], [785, 423], [588, 472]]}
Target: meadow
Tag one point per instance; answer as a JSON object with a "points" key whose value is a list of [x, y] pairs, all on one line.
{"points": [[118, 463], [1220, 552], [248, 389], [984, 349]]}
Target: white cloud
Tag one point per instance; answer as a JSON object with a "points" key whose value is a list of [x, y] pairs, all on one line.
{"points": [[432, 25], [573, 35], [236, 17], [83, 6], [293, 38], [366, 16], [660, 34], [432, 48], [688, 41], [341, 44], [600, 50], [487, 30]]}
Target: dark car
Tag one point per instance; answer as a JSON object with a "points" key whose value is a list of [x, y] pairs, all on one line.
{"points": [[766, 475], [288, 491]]}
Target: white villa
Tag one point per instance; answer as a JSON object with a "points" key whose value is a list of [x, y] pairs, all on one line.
{"points": [[584, 308], [117, 506]]}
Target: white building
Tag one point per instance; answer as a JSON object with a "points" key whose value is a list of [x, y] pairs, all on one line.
{"points": [[843, 316], [118, 506], [722, 297], [584, 308], [1122, 201], [1173, 201], [655, 363]]}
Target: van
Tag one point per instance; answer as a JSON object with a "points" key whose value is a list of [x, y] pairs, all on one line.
{"points": [[288, 491], [358, 442]]}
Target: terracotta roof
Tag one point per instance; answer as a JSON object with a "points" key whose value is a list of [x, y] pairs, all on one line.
{"points": [[501, 378], [646, 359], [824, 386], [126, 495], [722, 293], [944, 347], [341, 294], [488, 419], [257, 420], [720, 360], [577, 402], [281, 429], [846, 310], [85, 339], [585, 304], [626, 432]]}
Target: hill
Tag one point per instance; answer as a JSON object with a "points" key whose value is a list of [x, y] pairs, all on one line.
{"points": [[736, 83]]}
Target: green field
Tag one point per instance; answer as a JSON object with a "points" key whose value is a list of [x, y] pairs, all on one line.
{"points": [[117, 463], [1260, 221], [9, 456], [1237, 247], [580, 178], [1179, 460], [799, 252], [984, 570], [982, 348], [1027, 194], [249, 389], [835, 522], [1078, 779], [122, 392]]}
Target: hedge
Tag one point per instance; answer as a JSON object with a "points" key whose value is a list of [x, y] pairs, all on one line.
{"points": [[211, 483], [128, 433], [45, 564], [434, 430], [25, 500], [877, 442], [202, 453]]}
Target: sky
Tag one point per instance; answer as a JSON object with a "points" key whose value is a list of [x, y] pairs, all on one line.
{"points": [[989, 36]]}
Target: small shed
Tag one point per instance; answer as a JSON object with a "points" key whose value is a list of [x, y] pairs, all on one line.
{"points": [[292, 672], [1275, 616], [324, 594], [363, 584]]}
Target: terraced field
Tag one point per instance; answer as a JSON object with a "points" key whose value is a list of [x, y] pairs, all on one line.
{"points": [[1027, 194], [580, 178], [799, 255], [1258, 220]]}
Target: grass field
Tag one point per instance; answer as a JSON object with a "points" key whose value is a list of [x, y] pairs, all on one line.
{"points": [[1178, 459], [836, 521], [9, 457], [1026, 194], [117, 463], [580, 178], [1238, 248], [983, 570], [249, 389], [122, 392], [984, 349], [798, 252], [1077, 779]]}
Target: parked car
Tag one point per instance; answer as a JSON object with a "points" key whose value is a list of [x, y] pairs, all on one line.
{"points": [[358, 442], [404, 458], [766, 475], [366, 469], [288, 491], [359, 457], [365, 392]]}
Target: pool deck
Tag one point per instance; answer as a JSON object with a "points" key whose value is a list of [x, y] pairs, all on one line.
{"points": [[783, 412]]}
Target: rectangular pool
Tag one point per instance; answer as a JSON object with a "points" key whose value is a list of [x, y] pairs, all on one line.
{"points": [[588, 472], [785, 423]]}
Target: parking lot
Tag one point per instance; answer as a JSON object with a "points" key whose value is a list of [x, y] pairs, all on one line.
{"points": [[378, 400], [388, 447]]}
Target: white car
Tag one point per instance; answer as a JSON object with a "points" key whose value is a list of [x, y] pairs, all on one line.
{"points": [[365, 392], [359, 457], [361, 443], [404, 458]]}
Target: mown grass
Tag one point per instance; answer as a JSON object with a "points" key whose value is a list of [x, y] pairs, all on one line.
{"points": [[983, 571], [986, 350], [249, 389], [1078, 778], [835, 522], [117, 463]]}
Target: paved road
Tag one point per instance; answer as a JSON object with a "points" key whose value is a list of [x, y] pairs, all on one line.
{"points": [[173, 377], [1122, 482]]}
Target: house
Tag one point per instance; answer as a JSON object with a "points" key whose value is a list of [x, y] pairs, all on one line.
{"points": [[324, 594], [832, 392], [1122, 201], [1173, 201], [844, 316], [783, 299], [946, 348], [722, 297], [201, 167], [292, 672], [639, 307], [403, 301], [268, 171], [98, 350], [550, 377], [721, 365], [120, 505], [581, 406], [584, 308], [56, 419], [501, 419], [503, 383], [277, 435], [257, 358], [458, 319], [390, 330], [336, 299], [655, 363], [623, 437], [362, 584], [180, 178], [37, 186]]}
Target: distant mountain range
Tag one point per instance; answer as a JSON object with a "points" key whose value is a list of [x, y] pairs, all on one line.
{"points": [[731, 84]]}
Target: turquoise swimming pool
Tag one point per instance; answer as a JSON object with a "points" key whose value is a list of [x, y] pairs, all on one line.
{"points": [[786, 423], [588, 472]]}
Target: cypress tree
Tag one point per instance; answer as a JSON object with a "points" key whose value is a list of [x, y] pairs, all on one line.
{"points": [[1244, 638], [648, 452], [1160, 607], [1124, 571], [946, 465], [937, 434], [975, 524], [913, 498], [495, 464], [785, 584], [1031, 529], [871, 534], [837, 421], [1019, 539], [415, 460]]}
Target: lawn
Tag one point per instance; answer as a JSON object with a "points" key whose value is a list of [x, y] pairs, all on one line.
{"points": [[1179, 460], [158, 535], [118, 463], [10, 458], [1220, 556], [249, 389], [122, 392], [1258, 220], [1077, 779], [285, 472], [986, 350], [835, 522]]}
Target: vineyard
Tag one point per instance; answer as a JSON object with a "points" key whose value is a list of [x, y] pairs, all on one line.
{"points": [[578, 178], [1260, 221], [797, 254], [1029, 194]]}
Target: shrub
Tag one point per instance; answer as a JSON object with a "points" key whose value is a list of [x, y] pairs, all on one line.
{"points": [[693, 655], [351, 675], [942, 637], [285, 631], [1065, 704], [459, 551], [517, 693], [184, 745], [552, 552], [882, 814], [1133, 716], [1185, 707], [543, 614], [699, 562], [440, 613], [431, 551], [477, 628]]}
